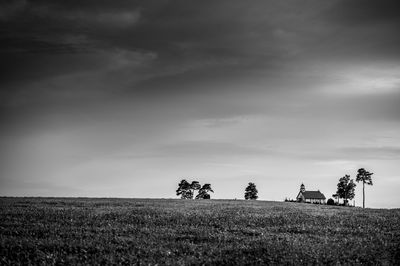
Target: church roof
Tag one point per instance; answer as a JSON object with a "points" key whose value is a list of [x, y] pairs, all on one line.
{"points": [[313, 195]]}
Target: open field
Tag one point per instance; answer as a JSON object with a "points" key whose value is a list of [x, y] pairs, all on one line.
{"points": [[156, 231]]}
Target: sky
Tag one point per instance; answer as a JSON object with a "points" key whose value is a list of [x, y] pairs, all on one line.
{"points": [[126, 98]]}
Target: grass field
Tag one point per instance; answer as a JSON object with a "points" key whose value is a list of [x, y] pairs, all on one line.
{"points": [[151, 231]]}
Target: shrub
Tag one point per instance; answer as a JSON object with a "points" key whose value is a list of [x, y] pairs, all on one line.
{"points": [[330, 202]]}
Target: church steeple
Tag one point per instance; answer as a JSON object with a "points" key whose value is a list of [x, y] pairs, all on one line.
{"points": [[302, 188]]}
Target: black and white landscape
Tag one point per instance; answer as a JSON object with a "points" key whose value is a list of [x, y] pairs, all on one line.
{"points": [[132, 131], [125, 98]]}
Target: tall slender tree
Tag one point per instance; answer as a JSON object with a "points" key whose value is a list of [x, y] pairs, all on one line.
{"points": [[251, 192], [345, 188], [365, 177]]}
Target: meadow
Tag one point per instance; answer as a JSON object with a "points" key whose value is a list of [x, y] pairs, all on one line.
{"points": [[84, 231]]}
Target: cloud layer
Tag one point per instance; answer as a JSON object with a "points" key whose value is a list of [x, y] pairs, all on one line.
{"points": [[279, 92]]}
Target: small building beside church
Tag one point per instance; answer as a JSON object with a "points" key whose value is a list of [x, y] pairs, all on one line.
{"points": [[310, 196]]}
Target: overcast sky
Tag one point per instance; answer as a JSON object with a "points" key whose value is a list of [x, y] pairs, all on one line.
{"points": [[126, 98]]}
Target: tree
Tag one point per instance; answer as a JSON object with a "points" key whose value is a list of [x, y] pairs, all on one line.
{"points": [[187, 190], [203, 192], [365, 177], [195, 186], [251, 192], [345, 188], [184, 189]]}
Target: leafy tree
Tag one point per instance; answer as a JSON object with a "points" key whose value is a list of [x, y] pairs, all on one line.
{"points": [[251, 192], [195, 185], [345, 188], [184, 189], [365, 177], [203, 192]]}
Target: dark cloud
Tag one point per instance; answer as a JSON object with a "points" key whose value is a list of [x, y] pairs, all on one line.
{"points": [[179, 32], [183, 28], [360, 30], [215, 39], [359, 11], [63, 56], [40, 39]]}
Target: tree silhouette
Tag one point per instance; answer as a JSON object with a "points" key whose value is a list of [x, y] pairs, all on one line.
{"points": [[345, 188], [187, 190], [365, 177], [251, 192], [184, 189], [195, 186], [203, 192]]}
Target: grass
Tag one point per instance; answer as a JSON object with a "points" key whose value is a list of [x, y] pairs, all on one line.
{"points": [[180, 232]]}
